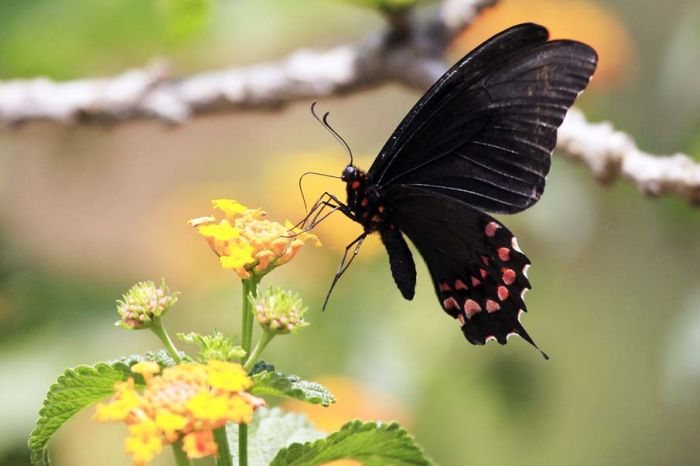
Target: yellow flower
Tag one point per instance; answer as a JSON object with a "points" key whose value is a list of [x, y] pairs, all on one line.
{"points": [[187, 401], [246, 242], [228, 376]]}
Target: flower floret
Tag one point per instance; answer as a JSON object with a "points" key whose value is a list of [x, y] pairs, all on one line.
{"points": [[246, 242], [144, 303], [185, 402]]}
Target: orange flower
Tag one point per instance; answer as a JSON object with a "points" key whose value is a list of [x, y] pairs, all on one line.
{"points": [[589, 21], [246, 241], [187, 401]]}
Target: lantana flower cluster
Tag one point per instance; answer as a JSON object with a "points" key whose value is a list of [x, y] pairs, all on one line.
{"points": [[185, 402], [246, 242]]}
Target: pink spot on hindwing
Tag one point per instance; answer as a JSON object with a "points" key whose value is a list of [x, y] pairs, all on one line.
{"points": [[460, 285], [444, 287], [485, 260], [492, 306], [471, 307], [450, 303], [483, 273], [491, 228], [502, 293], [508, 276], [504, 254], [476, 281], [460, 319]]}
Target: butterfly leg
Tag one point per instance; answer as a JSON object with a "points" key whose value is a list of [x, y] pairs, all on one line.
{"points": [[325, 200], [345, 263]]}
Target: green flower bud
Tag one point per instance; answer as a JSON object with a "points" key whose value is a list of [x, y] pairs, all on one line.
{"points": [[216, 346], [143, 303], [279, 311]]}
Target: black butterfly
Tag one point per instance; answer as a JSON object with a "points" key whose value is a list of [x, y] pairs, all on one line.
{"points": [[478, 141]]}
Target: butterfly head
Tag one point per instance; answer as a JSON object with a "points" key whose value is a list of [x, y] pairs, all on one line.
{"points": [[350, 173]]}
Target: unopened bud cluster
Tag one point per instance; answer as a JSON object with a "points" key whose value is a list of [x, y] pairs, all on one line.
{"points": [[279, 311], [143, 303]]}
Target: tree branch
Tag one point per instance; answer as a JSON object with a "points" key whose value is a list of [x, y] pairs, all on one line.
{"points": [[406, 52], [610, 154]]}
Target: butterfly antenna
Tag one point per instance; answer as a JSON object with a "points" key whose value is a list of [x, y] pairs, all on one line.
{"points": [[325, 124], [301, 190]]}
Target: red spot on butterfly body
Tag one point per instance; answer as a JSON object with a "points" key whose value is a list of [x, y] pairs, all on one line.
{"points": [[355, 185], [364, 202], [504, 254], [502, 293]]}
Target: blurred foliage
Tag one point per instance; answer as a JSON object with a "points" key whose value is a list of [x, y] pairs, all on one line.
{"points": [[386, 5], [679, 95], [181, 19]]}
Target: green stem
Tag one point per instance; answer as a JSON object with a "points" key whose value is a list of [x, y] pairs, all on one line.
{"points": [[224, 456], [259, 347], [160, 332], [243, 445], [181, 458], [250, 288]]}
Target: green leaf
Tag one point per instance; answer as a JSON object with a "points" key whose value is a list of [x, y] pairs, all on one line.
{"points": [[372, 443], [272, 383], [271, 430], [78, 388]]}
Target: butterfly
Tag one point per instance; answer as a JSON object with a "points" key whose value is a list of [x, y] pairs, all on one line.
{"points": [[480, 140]]}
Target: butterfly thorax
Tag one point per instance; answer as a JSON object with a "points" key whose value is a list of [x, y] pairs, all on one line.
{"points": [[364, 199]]}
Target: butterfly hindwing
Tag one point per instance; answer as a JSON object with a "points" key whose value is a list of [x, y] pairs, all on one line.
{"points": [[478, 271], [485, 132]]}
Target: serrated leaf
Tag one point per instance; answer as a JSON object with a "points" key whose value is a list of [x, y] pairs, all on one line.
{"points": [[371, 442], [78, 388], [273, 383], [271, 430]]}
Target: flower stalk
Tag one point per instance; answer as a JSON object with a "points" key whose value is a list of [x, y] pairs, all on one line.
{"points": [[223, 457], [265, 339], [158, 329], [250, 288], [181, 458]]}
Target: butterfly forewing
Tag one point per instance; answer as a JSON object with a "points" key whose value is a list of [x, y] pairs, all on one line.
{"points": [[488, 141]]}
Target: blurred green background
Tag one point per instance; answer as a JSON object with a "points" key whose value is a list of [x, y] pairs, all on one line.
{"points": [[86, 211]]}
